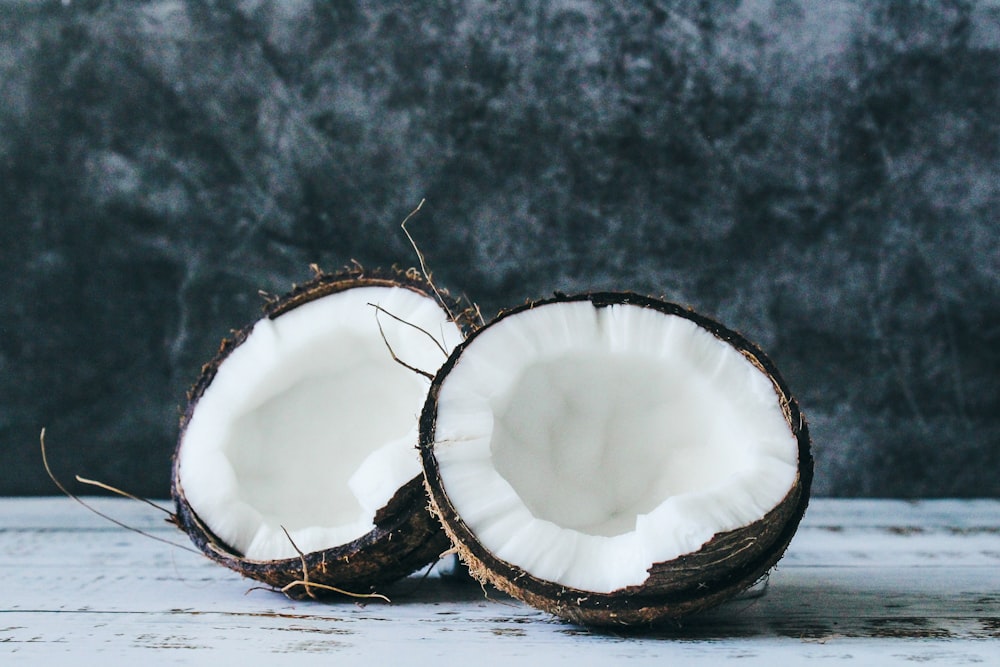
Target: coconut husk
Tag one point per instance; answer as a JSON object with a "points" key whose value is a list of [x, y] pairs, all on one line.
{"points": [[727, 565], [404, 538]]}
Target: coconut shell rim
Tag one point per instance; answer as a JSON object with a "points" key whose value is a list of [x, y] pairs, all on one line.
{"points": [[634, 604], [360, 563], [321, 285], [276, 571]]}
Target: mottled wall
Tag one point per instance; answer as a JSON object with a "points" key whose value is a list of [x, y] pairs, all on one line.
{"points": [[822, 176]]}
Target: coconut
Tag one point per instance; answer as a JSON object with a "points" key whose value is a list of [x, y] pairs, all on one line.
{"points": [[296, 463], [613, 458]]}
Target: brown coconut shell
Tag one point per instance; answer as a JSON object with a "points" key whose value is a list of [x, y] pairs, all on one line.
{"points": [[405, 537], [727, 565]]}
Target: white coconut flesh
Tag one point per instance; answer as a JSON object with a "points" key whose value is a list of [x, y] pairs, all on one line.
{"points": [[585, 444], [309, 425]]}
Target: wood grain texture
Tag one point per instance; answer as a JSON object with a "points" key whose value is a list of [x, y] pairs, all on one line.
{"points": [[863, 583]]}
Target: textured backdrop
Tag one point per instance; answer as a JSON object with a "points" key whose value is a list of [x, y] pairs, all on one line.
{"points": [[822, 176]]}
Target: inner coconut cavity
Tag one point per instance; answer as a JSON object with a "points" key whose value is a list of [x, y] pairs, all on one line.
{"points": [[309, 425], [585, 444]]}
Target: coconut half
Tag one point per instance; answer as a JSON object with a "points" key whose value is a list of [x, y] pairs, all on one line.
{"points": [[613, 458], [297, 453]]}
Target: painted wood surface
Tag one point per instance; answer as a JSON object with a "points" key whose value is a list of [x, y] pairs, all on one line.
{"points": [[863, 583]]}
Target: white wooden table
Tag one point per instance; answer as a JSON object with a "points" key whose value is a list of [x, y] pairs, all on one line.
{"points": [[863, 583]]}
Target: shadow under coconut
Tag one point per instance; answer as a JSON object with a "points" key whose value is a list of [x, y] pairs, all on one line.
{"points": [[438, 589], [841, 603], [823, 611]]}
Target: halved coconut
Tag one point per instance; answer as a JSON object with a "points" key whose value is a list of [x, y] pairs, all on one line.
{"points": [[300, 436], [613, 458]]}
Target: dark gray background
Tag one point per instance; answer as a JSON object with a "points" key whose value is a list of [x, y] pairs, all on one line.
{"points": [[822, 176]]}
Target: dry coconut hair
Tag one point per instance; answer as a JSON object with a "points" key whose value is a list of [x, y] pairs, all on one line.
{"points": [[402, 537]]}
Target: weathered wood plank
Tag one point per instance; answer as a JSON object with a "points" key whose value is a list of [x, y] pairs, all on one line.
{"points": [[864, 582]]}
